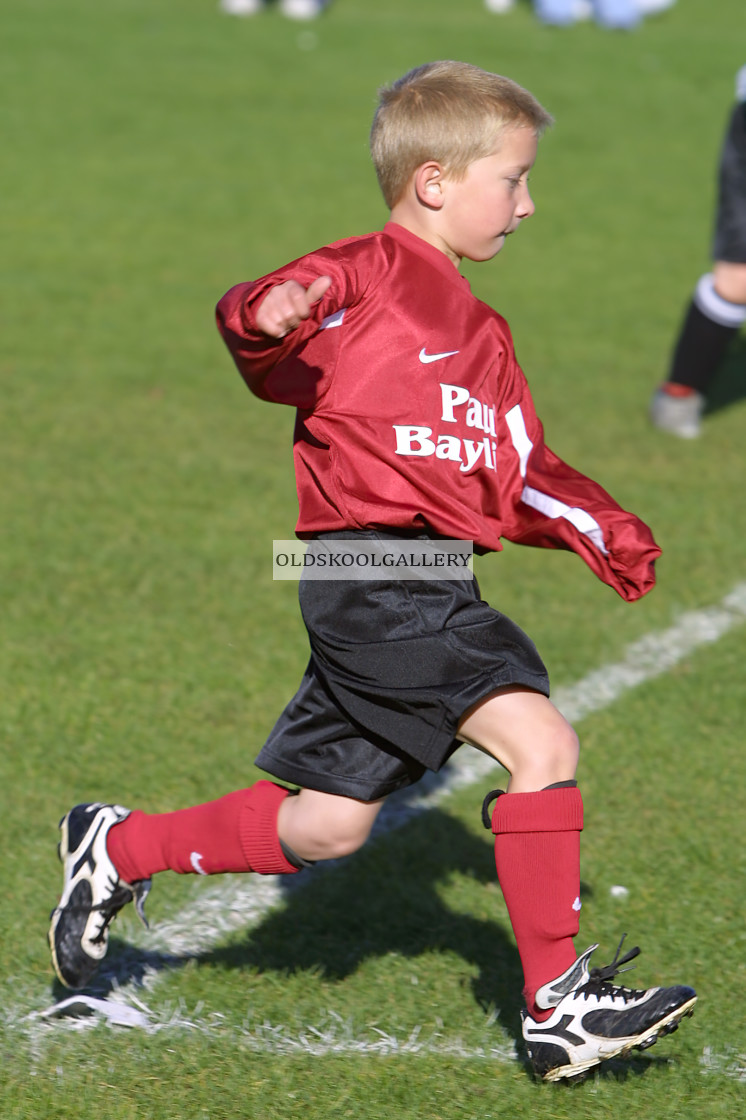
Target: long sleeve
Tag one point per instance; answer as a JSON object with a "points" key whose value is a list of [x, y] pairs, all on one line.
{"points": [[549, 504], [268, 365]]}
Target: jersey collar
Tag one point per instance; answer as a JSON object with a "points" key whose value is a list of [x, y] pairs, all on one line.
{"points": [[424, 249]]}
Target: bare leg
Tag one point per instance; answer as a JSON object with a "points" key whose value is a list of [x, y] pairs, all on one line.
{"points": [[730, 281], [525, 733], [320, 826]]}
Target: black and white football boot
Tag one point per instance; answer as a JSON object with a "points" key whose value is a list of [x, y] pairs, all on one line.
{"points": [[92, 893], [595, 1019]]}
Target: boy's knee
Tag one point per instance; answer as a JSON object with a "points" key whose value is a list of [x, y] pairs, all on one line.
{"points": [[553, 756], [343, 836], [568, 745], [557, 754], [318, 826]]}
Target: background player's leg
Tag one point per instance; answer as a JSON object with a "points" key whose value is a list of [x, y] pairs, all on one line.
{"points": [[717, 311], [712, 321], [729, 279]]}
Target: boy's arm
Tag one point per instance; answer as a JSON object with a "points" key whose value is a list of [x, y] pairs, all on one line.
{"points": [[256, 325], [267, 321], [550, 504]]}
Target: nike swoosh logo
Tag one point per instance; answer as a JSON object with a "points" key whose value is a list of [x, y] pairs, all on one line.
{"points": [[425, 357], [196, 861]]}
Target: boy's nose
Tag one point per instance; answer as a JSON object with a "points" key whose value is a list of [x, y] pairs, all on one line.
{"points": [[526, 205]]}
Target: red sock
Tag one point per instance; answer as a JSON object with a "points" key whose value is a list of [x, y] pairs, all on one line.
{"points": [[537, 854], [235, 833]]}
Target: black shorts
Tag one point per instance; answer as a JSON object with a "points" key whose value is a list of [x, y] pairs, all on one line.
{"points": [[394, 666], [729, 243]]}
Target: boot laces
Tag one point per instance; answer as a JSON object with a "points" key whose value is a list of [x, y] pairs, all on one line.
{"points": [[120, 895], [110, 907], [600, 979]]}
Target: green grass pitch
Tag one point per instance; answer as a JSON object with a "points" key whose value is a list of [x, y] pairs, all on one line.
{"points": [[154, 153]]}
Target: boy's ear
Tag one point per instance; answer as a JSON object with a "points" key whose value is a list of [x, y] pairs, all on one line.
{"points": [[428, 184]]}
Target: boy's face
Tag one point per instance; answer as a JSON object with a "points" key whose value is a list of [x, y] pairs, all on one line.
{"points": [[490, 202]]}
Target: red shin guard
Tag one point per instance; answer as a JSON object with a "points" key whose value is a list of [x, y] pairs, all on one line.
{"points": [[537, 855], [237, 832]]}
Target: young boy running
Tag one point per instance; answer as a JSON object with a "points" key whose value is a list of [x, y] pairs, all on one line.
{"points": [[414, 420]]}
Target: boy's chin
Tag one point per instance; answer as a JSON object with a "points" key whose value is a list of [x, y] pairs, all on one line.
{"points": [[489, 252]]}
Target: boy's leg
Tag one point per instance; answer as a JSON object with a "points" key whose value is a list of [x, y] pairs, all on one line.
{"points": [[537, 829], [266, 828], [110, 853], [318, 826], [235, 833], [576, 1017]]}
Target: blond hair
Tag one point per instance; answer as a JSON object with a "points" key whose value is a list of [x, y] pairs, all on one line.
{"points": [[451, 112]]}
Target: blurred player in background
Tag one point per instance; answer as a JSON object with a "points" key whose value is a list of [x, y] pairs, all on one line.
{"points": [[615, 15], [718, 306], [293, 9]]}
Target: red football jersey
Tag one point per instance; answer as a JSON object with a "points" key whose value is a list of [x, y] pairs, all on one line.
{"points": [[414, 413]]}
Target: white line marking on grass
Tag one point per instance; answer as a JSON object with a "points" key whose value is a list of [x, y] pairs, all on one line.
{"points": [[653, 655], [332, 1034], [730, 1064], [232, 904], [336, 1036]]}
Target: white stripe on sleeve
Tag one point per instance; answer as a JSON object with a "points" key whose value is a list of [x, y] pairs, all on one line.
{"points": [[545, 503]]}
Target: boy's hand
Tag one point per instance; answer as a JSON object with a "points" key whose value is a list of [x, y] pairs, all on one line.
{"points": [[286, 306]]}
